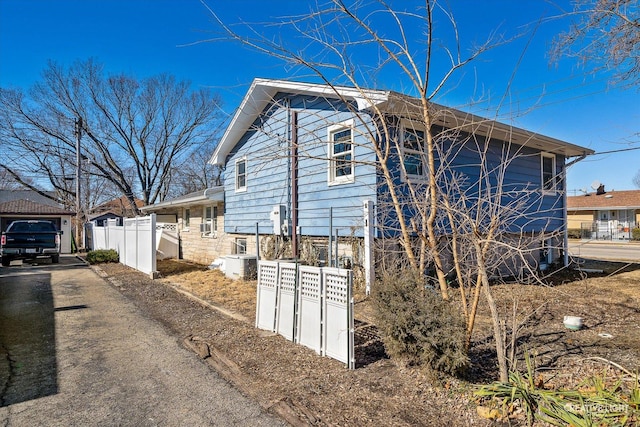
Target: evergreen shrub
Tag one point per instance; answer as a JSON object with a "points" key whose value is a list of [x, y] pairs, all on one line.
{"points": [[102, 255], [417, 325]]}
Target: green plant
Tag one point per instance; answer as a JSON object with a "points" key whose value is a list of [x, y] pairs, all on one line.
{"points": [[574, 233], [635, 234], [417, 325], [102, 255], [596, 402]]}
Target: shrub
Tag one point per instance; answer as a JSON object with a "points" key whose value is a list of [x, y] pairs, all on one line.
{"points": [[102, 255], [574, 233], [635, 234], [417, 326]]}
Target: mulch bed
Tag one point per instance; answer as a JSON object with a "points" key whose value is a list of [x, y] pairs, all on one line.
{"points": [[312, 390]]}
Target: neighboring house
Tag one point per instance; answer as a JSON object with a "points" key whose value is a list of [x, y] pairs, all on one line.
{"points": [[604, 215], [264, 182], [113, 209], [199, 219], [27, 209]]}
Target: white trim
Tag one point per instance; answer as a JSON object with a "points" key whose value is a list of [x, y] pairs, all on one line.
{"points": [[186, 224], [554, 185], [332, 179], [243, 188]]}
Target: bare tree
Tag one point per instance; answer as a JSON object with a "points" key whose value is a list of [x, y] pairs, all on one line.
{"points": [[8, 182], [194, 173], [604, 32], [448, 223], [134, 132], [636, 179]]}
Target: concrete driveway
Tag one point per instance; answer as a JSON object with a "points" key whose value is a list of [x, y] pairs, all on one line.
{"points": [[75, 352], [607, 251]]}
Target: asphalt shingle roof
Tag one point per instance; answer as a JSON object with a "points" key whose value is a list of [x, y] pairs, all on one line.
{"points": [[28, 207], [629, 199]]}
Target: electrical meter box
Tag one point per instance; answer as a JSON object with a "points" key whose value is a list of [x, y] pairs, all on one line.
{"points": [[279, 218]]}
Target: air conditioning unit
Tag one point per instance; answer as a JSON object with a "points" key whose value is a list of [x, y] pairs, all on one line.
{"points": [[205, 228], [241, 266]]}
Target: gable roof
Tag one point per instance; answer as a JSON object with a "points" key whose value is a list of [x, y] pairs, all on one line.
{"points": [[119, 207], [215, 194], [628, 199], [28, 207], [262, 91]]}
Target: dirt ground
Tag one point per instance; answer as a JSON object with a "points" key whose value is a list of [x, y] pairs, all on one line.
{"points": [[321, 391]]}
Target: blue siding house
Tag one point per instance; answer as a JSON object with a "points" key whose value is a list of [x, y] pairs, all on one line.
{"points": [[299, 155]]}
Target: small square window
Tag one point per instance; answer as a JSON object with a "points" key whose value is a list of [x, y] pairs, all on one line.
{"points": [[240, 246]]}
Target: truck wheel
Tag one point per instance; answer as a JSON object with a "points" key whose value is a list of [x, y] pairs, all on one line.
{"points": [[6, 261], [55, 258]]}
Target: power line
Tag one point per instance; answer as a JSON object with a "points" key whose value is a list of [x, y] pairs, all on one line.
{"points": [[615, 151]]}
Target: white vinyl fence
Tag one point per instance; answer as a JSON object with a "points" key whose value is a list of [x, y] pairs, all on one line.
{"points": [[137, 241], [312, 306]]}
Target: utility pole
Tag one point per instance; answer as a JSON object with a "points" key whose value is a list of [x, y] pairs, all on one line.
{"points": [[78, 172]]}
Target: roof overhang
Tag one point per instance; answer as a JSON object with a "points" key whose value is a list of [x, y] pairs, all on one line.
{"points": [[213, 194], [263, 91], [603, 208]]}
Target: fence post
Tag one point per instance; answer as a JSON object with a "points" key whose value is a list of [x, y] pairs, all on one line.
{"points": [[257, 241], [369, 267], [154, 270], [330, 243], [124, 242]]}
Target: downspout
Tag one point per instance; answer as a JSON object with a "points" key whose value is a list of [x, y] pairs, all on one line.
{"points": [[564, 208], [294, 184]]}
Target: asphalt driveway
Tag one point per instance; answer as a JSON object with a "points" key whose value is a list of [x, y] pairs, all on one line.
{"points": [[74, 351], [606, 251]]}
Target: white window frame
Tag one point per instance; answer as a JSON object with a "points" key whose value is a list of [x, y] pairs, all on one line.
{"points": [[553, 188], [241, 188], [240, 246], [405, 125], [186, 219], [332, 177]]}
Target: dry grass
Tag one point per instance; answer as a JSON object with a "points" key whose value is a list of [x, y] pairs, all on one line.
{"points": [[379, 391], [608, 304], [212, 286]]}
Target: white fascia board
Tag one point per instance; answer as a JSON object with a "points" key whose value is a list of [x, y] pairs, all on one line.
{"points": [[215, 194], [262, 92]]}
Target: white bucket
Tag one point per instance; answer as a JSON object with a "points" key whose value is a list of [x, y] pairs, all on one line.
{"points": [[573, 322]]}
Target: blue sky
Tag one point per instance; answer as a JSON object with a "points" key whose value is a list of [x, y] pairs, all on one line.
{"points": [[148, 37]]}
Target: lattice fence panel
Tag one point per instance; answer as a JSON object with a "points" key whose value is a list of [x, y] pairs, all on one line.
{"points": [[338, 315], [286, 311], [267, 296], [309, 329]]}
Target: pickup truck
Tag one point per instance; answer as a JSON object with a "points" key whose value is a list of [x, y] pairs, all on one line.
{"points": [[30, 239]]}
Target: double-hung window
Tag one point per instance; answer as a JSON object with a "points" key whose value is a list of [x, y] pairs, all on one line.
{"points": [[548, 171], [413, 146], [211, 217], [241, 175], [341, 167]]}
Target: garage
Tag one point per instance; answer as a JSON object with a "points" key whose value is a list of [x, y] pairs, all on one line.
{"points": [[27, 209]]}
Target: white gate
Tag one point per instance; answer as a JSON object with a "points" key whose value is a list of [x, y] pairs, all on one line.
{"points": [[312, 306]]}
